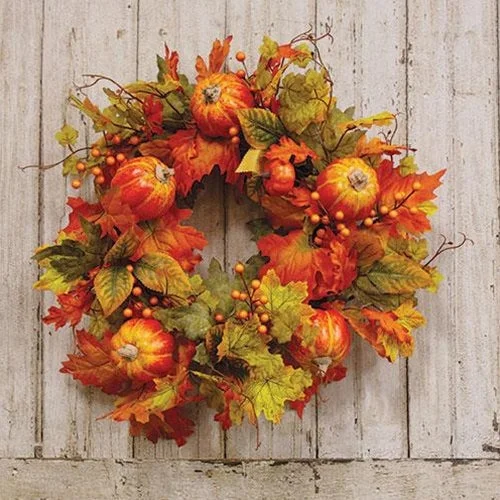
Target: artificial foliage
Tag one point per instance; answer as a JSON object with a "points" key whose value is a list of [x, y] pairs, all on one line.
{"points": [[340, 242]]}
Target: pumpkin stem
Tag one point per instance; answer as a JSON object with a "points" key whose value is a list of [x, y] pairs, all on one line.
{"points": [[162, 173], [128, 351], [323, 363], [358, 179], [211, 94]]}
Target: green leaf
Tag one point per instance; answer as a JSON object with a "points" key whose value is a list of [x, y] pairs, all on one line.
{"points": [[194, 321], [269, 48], [112, 286], [251, 162], [163, 274], [304, 100], [285, 305], [69, 166], [201, 357], [407, 166], [124, 247], [259, 228], [219, 285], [269, 393], [67, 136], [260, 127]]}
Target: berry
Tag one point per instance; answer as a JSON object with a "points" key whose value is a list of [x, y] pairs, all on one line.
{"points": [[384, 210], [235, 294], [136, 291], [373, 213], [96, 171], [120, 157], [240, 56], [241, 73], [262, 329], [76, 184], [130, 268], [219, 318], [116, 140], [315, 196], [243, 296], [239, 268], [264, 318], [147, 312], [100, 179], [414, 210], [325, 220], [255, 284], [110, 161], [315, 218], [154, 300], [393, 214], [399, 196], [320, 233], [340, 227], [318, 241], [95, 152], [416, 186], [234, 131], [339, 215], [368, 222], [134, 140], [243, 314], [235, 140], [127, 312], [345, 232], [80, 166], [264, 299]]}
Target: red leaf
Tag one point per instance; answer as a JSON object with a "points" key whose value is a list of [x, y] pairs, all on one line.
{"points": [[326, 270], [80, 208], [94, 365], [193, 156], [153, 112], [117, 217], [172, 63], [73, 304]]}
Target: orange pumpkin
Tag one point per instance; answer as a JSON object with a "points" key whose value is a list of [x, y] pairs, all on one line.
{"points": [[215, 101], [333, 339], [143, 349], [147, 186], [348, 185], [281, 178]]}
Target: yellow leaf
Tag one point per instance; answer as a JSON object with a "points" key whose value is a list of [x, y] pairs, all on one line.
{"points": [[380, 119], [408, 316], [269, 394], [251, 162], [112, 286]]}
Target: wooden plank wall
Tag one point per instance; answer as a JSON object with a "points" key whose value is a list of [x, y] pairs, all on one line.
{"points": [[435, 62]]}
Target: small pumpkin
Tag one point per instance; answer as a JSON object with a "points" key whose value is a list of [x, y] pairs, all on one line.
{"points": [[333, 339], [349, 186], [143, 349], [147, 186], [281, 178], [216, 99]]}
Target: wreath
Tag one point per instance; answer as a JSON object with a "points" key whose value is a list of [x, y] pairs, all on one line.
{"points": [[340, 246]]}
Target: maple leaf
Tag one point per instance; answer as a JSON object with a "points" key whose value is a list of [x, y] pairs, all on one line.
{"points": [[73, 305], [243, 341], [391, 182], [153, 114], [325, 270], [375, 147], [158, 148], [171, 425], [168, 392], [117, 217], [216, 58], [67, 136], [380, 119], [285, 305], [93, 366], [193, 156], [168, 65], [282, 212], [303, 100], [268, 394], [167, 235], [287, 150], [80, 208]]}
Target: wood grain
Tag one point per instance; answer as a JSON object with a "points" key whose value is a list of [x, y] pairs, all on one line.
{"points": [[453, 103], [20, 58], [73, 45], [365, 415], [262, 480]]}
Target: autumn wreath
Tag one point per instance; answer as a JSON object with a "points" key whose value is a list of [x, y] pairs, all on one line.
{"points": [[340, 244]]}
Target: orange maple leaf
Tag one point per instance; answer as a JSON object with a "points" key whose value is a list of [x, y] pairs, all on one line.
{"points": [[94, 365], [158, 148], [376, 146], [193, 156], [73, 305], [80, 208], [167, 235], [392, 182], [117, 217], [216, 58], [325, 270], [287, 149], [172, 63]]}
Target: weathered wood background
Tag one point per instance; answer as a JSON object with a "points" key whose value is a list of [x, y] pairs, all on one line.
{"points": [[436, 62]]}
